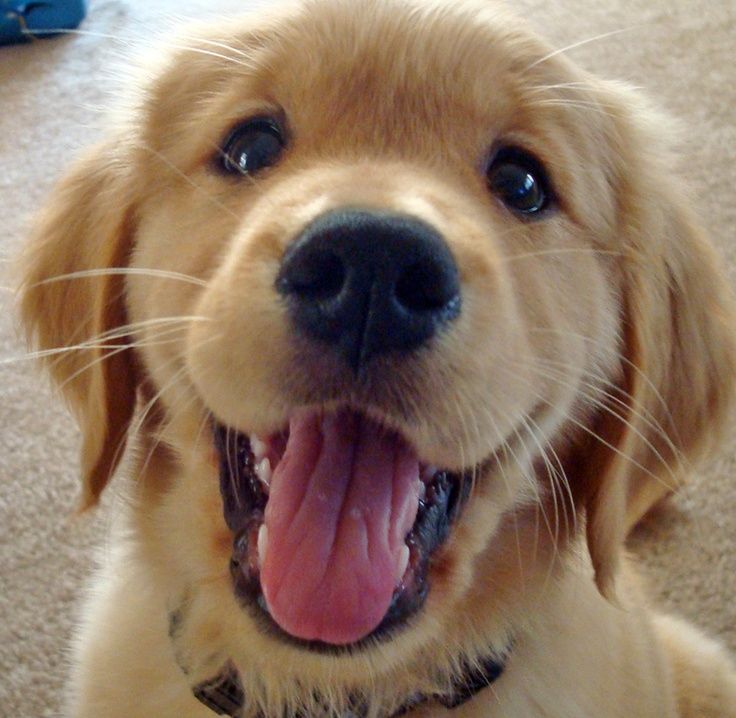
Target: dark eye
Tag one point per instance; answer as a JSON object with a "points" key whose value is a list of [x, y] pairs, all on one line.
{"points": [[251, 147], [519, 180]]}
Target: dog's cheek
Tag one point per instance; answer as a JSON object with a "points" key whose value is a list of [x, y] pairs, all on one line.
{"points": [[159, 307], [476, 548], [570, 307], [238, 355], [482, 366], [198, 536]]}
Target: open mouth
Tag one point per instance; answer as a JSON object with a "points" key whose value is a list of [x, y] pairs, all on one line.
{"points": [[335, 522]]}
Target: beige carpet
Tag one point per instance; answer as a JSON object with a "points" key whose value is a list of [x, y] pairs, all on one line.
{"points": [[51, 97]]}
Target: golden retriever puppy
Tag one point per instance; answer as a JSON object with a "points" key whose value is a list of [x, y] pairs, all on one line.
{"points": [[405, 321]]}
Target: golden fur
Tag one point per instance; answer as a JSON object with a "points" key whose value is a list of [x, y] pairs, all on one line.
{"points": [[601, 336]]}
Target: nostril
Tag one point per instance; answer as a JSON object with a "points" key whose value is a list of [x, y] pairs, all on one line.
{"points": [[426, 287], [316, 275], [369, 283]]}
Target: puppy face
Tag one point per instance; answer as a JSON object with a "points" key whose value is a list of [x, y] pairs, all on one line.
{"points": [[305, 334], [398, 280]]}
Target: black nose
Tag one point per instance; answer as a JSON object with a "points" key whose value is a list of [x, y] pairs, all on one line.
{"points": [[369, 283]]}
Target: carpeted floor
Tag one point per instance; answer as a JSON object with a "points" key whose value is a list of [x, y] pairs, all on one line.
{"points": [[52, 97]]}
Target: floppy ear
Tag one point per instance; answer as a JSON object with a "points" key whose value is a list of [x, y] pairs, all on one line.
{"points": [[71, 319], [679, 346]]}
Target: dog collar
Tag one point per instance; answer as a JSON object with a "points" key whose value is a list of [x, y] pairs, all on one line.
{"points": [[224, 693]]}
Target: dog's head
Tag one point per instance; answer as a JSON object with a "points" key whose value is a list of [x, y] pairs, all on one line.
{"points": [[374, 285]]}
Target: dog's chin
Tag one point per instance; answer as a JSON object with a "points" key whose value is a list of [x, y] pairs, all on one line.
{"points": [[336, 522]]}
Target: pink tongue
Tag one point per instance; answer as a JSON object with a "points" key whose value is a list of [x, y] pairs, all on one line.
{"points": [[342, 500]]}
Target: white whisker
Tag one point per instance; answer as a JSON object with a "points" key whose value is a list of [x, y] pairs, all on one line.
{"points": [[580, 43], [531, 478], [503, 446], [551, 474], [219, 44], [123, 271], [604, 407], [644, 416], [108, 355], [134, 42], [145, 411], [650, 384], [83, 33], [123, 331], [580, 85], [188, 180], [574, 104], [563, 480], [586, 429], [110, 335]]}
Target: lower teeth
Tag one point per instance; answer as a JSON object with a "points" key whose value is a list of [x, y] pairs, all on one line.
{"points": [[263, 471], [262, 544], [258, 448], [403, 563]]}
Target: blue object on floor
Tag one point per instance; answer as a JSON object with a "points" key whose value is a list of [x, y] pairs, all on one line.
{"points": [[22, 20]]}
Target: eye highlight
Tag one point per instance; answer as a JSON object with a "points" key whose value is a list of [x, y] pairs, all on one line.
{"points": [[251, 147], [520, 181]]}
